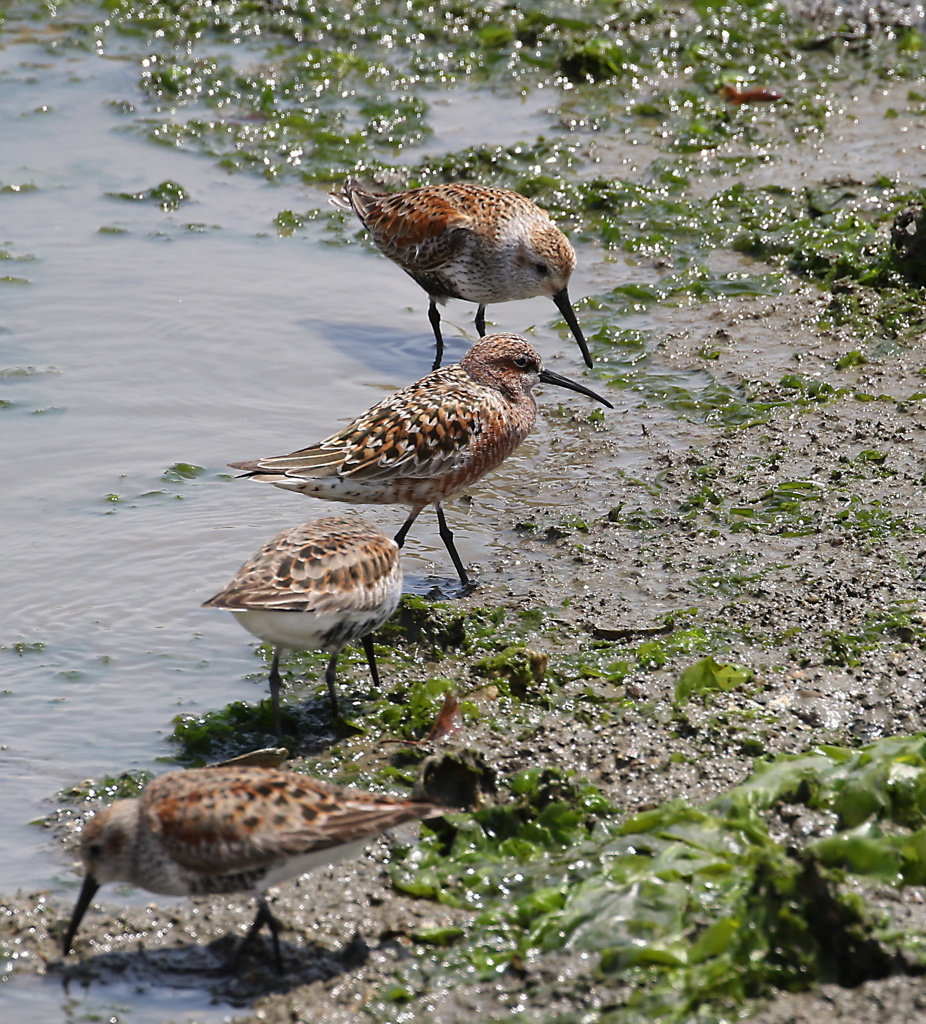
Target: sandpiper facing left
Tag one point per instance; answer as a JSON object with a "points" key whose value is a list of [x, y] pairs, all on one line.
{"points": [[226, 829]]}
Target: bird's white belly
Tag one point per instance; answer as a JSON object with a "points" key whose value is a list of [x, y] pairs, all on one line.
{"points": [[302, 863], [299, 631]]}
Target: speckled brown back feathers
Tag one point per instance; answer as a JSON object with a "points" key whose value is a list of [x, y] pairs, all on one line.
{"points": [[421, 423], [221, 829], [332, 565], [430, 439], [422, 236], [227, 819], [464, 240]]}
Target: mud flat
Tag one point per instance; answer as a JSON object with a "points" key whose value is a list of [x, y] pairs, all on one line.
{"points": [[690, 758]]}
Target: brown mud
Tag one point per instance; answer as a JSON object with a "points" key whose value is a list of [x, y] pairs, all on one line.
{"points": [[346, 929], [660, 500]]}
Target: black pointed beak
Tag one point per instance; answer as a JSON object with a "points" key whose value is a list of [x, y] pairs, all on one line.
{"points": [[569, 315], [549, 377], [87, 892]]}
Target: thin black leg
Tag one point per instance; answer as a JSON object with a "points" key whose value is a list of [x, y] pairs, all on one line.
{"points": [[434, 317], [276, 683], [481, 321], [264, 917], [330, 673], [447, 537], [371, 658], [406, 526]]}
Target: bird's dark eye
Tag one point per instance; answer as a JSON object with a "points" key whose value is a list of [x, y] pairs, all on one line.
{"points": [[95, 849], [522, 362], [542, 269]]}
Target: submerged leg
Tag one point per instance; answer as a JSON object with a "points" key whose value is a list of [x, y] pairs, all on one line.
{"points": [[406, 526], [330, 673], [447, 537], [276, 682], [434, 317], [371, 658], [264, 917], [481, 321]]}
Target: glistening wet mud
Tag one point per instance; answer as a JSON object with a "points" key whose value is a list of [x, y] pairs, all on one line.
{"points": [[725, 571]]}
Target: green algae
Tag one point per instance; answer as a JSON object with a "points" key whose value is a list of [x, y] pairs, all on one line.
{"points": [[899, 626], [24, 372], [182, 471], [332, 88], [233, 730], [106, 790], [329, 89], [427, 649], [175, 484], [697, 909], [707, 676], [518, 667], [22, 647], [434, 625], [850, 359], [798, 508], [833, 236], [613, 661], [501, 665], [168, 196]]}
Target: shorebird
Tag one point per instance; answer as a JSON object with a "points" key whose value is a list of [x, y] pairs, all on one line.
{"points": [[472, 242], [227, 829], [429, 440], [318, 586]]}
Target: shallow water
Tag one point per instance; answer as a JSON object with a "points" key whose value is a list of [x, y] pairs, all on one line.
{"points": [[138, 339], [134, 339], [32, 998]]}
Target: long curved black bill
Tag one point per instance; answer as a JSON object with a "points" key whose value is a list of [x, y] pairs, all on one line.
{"points": [[87, 892], [549, 377], [569, 315]]}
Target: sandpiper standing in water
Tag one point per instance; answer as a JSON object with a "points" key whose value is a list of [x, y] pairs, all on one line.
{"points": [[227, 829], [472, 242], [428, 441], [318, 586]]}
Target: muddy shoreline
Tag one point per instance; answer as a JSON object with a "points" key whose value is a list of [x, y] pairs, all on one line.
{"points": [[348, 930], [793, 546]]}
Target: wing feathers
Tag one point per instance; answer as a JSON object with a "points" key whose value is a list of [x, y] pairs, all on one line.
{"points": [[424, 430], [226, 820]]}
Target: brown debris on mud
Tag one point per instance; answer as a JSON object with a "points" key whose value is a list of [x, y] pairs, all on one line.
{"points": [[790, 602]]}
